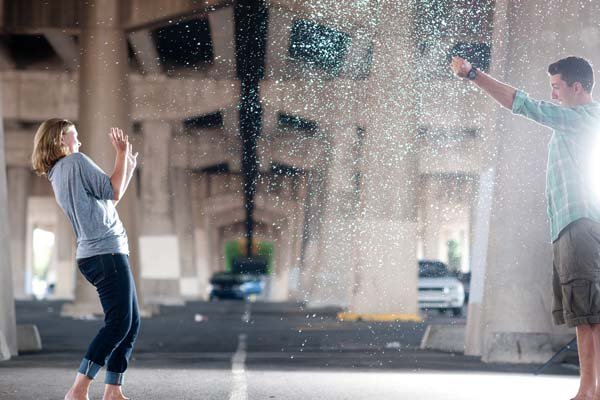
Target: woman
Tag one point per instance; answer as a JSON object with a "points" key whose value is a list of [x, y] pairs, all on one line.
{"points": [[88, 197]]}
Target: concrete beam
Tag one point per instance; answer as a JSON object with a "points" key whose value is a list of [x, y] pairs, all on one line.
{"points": [[214, 147], [441, 107], [293, 150], [178, 99], [145, 51], [222, 32], [6, 61], [172, 99], [312, 99], [18, 146], [144, 14], [36, 16], [211, 147], [343, 15], [460, 154], [64, 45]]}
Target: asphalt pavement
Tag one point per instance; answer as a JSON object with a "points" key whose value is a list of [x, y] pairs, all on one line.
{"points": [[237, 351]]}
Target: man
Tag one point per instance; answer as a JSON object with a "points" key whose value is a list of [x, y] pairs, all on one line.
{"points": [[573, 198]]}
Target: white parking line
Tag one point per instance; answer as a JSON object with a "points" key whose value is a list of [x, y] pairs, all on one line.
{"points": [[239, 391]]}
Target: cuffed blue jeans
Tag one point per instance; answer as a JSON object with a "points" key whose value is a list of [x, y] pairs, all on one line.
{"points": [[113, 345]]}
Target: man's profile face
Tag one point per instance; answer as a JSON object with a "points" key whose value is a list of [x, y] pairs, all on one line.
{"points": [[561, 91]]}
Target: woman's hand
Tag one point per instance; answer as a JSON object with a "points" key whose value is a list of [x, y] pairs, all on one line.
{"points": [[131, 158], [125, 163], [119, 141], [460, 66]]}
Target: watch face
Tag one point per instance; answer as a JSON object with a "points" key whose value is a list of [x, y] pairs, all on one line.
{"points": [[472, 74]]}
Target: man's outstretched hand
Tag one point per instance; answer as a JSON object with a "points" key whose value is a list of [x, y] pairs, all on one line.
{"points": [[460, 66]]}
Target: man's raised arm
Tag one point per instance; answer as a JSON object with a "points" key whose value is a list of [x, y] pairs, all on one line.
{"points": [[501, 92]]}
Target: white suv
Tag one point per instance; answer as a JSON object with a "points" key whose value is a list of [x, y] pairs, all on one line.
{"points": [[439, 289]]}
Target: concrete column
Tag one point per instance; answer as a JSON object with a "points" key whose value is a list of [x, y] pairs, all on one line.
{"points": [[8, 326], [287, 233], [517, 295], [18, 179], [290, 215], [155, 185], [481, 229], [433, 215], [334, 278], [231, 128], [66, 268], [386, 280], [184, 229], [199, 193], [159, 245], [104, 103], [311, 231]]}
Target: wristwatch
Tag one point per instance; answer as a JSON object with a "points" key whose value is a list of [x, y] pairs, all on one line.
{"points": [[472, 74]]}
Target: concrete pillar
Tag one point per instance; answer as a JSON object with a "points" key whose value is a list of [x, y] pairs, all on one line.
{"points": [[18, 179], [184, 229], [159, 245], [66, 267], [334, 278], [104, 103], [8, 326], [42, 213], [432, 211], [481, 229], [311, 231], [199, 193], [231, 128], [386, 280], [155, 185], [517, 292], [287, 233]]}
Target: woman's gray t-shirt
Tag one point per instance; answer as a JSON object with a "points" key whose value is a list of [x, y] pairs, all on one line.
{"points": [[85, 194]]}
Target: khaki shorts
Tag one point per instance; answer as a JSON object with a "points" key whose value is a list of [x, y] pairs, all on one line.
{"points": [[576, 274]]}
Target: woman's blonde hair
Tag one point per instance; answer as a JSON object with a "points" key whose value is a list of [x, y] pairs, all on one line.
{"points": [[47, 147]]}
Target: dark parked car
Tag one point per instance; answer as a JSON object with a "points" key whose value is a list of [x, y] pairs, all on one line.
{"points": [[235, 286]]}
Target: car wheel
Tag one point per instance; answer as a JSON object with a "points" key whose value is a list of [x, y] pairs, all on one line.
{"points": [[457, 312]]}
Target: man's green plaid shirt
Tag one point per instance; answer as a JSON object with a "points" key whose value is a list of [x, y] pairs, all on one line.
{"points": [[573, 171]]}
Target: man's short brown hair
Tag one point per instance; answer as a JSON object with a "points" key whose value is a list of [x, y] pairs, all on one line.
{"points": [[574, 69]]}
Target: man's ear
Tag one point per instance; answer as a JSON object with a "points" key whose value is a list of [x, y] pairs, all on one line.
{"points": [[578, 87]]}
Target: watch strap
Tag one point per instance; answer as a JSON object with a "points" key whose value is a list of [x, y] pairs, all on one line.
{"points": [[472, 74]]}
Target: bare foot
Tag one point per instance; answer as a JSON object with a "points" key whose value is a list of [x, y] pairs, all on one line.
{"points": [[583, 396], [113, 392], [73, 395], [114, 397]]}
